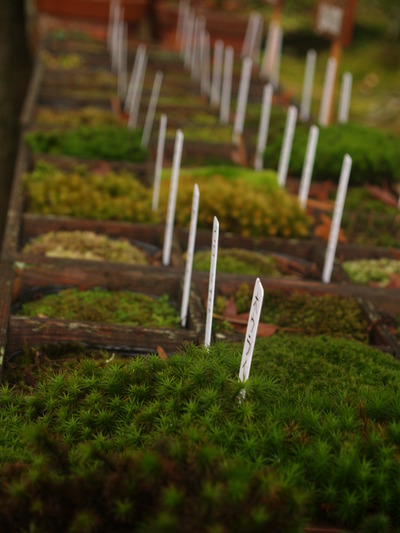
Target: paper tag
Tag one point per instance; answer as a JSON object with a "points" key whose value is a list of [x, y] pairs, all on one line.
{"points": [[287, 145], [173, 191], [189, 256], [336, 219], [225, 108], [137, 92], [242, 98], [217, 72], [327, 93], [211, 282], [251, 332], [308, 166], [155, 93], [345, 95], [308, 83], [159, 161], [263, 127]]}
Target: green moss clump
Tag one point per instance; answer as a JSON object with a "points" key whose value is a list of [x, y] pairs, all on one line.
{"points": [[86, 116], [85, 245], [320, 415], [238, 261], [375, 154], [82, 194], [102, 142], [63, 61], [111, 307], [305, 314], [254, 206], [365, 271]]}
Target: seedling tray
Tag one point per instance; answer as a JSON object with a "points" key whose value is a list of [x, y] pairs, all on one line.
{"points": [[36, 278]]}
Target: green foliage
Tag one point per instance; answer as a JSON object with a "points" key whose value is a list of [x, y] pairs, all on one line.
{"points": [[72, 118], [305, 314], [99, 305], [238, 261], [88, 195], [102, 142], [84, 245], [365, 271], [375, 154], [153, 442]]}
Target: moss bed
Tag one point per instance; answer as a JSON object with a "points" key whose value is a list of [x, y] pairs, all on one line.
{"points": [[100, 305], [295, 312], [85, 245], [165, 445], [372, 271], [72, 118]]}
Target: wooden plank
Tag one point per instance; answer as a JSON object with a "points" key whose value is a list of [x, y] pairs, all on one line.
{"points": [[6, 285], [32, 92]]}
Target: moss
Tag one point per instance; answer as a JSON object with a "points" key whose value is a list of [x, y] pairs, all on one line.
{"points": [[86, 116], [238, 261], [103, 142], [304, 314], [365, 271], [99, 305], [85, 245], [63, 61], [85, 195]]}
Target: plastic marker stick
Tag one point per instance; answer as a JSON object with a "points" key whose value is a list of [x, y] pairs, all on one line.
{"points": [[257, 45], [251, 332], [336, 219], [242, 98], [271, 50], [185, 21], [195, 49], [308, 83], [217, 73], [287, 145], [225, 108], [155, 93], [111, 14], [141, 50], [114, 38], [179, 25], [189, 40], [277, 64], [264, 126], [246, 41], [211, 282], [205, 72], [159, 161], [345, 96], [173, 191], [123, 58], [189, 258], [308, 166], [137, 93], [327, 93]]}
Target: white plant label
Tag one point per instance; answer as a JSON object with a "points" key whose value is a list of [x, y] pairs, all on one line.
{"points": [[141, 50], [251, 331], [195, 49], [225, 108], [189, 256], [114, 38], [264, 126], [277, 65], [217, 73], [179, 25], [242, 98], [173, 191], [330, 19], [185, 25], [111, 15], [345, 96], [205, 68], [155, 93], [286, 150], [246, 41], [308, 83], [271, 52], [336, 219], [123, 62], [211, 282], [308, 166], [137, 94], [327, 93], [189, 39], [159, 162]]}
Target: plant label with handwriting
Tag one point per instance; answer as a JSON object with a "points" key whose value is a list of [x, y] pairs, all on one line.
{"points": [[251, 332], [190, 253], [211, 282]]}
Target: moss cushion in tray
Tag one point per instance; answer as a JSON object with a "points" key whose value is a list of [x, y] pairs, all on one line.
{"points": [[97, 141], [72, 118], [245, 202], [375, 154], [85, 245], [99, 305], [373, 271], [165, 445]]}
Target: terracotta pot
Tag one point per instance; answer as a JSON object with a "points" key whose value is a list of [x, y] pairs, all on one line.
{"points": [[93, 9]]}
